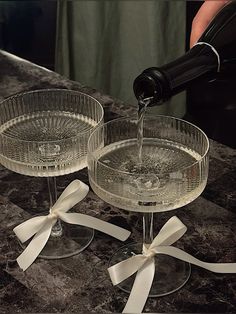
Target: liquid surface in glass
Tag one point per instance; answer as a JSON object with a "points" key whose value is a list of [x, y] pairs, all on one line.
{"points": [[161, 182], [59, 143]]}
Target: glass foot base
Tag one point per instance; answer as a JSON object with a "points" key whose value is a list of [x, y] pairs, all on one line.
{"points": [[170, 275], [74, 239]]}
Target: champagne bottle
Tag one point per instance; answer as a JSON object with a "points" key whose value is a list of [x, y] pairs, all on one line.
{"points": [[214, 54]]}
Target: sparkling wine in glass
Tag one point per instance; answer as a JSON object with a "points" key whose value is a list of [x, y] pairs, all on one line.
{"points": [[44, 133], [172, 172]]}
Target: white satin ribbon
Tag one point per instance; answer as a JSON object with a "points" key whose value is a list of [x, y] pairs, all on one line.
{"points": [[144, 264], [40, 227]]}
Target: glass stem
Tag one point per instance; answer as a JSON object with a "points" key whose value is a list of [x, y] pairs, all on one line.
{"points": [[147, 228], [52, 190]]}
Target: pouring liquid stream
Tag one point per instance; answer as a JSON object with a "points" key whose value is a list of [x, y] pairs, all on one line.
{"points": [[142, 106], [144, 185]]}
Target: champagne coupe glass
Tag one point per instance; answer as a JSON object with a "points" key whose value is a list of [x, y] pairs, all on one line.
{"points": [[44, 133], [172, 172]]}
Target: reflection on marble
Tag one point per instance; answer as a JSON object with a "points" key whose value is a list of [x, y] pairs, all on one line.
{"points": [[81, 283]]}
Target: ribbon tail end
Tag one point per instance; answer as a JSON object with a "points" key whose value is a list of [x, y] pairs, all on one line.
{"points": [[22, 264], [123, 237]]}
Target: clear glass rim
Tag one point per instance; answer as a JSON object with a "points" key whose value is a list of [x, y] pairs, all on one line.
{"points": [[90, 153], [52, 90]]}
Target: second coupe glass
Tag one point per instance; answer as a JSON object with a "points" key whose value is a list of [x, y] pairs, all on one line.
{"points": [[171, 173]]}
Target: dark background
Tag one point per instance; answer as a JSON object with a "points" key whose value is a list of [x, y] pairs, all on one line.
{"points": [[28, 30]]}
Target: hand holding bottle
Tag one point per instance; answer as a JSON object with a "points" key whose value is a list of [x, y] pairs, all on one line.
{"points": [[203, 17], [213, 55]]}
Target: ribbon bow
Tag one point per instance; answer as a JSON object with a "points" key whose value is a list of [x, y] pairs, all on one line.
{"points": [[144, 264], [40, 227]]}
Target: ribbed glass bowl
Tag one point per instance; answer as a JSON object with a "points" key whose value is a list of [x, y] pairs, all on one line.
{"points": [[45, 132], [172, 172]]}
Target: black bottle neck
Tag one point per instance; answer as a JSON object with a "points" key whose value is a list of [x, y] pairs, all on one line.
{"points": [[200, 62], [163, 82]]}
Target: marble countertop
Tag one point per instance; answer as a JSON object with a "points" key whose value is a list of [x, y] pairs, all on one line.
{"points": [[81, 283]]}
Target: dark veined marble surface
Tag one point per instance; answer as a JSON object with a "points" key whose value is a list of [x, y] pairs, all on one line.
{"points": [[81, 283]]}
